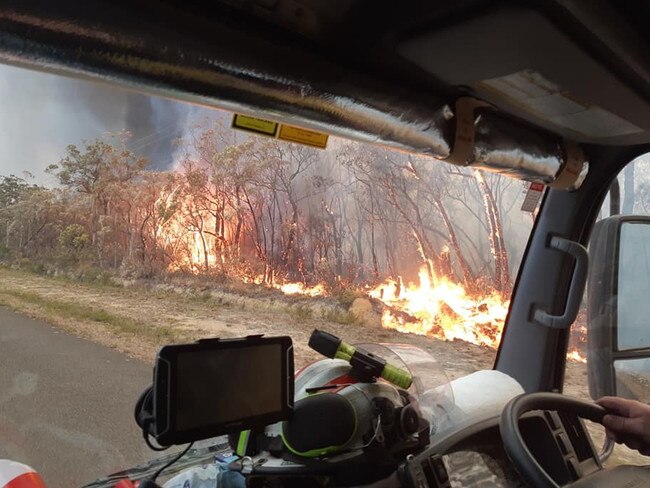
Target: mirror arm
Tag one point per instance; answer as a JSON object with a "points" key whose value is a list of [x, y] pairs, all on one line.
{"points": [[576, 289]]}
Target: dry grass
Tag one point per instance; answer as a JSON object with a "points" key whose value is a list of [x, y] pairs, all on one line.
{"points": [[138, 320], [54, 308], [137, 338]]}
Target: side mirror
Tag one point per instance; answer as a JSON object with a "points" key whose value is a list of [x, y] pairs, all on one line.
{"points": [[618, 308]]}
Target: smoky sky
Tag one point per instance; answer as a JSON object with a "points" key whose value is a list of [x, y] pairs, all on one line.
{"points": [[41, 113]]}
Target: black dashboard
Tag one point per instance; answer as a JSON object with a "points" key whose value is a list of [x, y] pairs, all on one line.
{"points": [[474, 456]]}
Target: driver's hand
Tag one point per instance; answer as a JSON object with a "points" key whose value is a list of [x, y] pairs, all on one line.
{"points": [[627, 422]]}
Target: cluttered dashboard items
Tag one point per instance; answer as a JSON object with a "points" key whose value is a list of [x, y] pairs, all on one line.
{"points": [[345, 420]]}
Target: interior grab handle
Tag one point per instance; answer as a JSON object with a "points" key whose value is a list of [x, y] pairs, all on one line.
{"points": [[576, 289]]}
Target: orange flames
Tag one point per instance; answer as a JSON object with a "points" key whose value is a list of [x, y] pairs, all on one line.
{"points": [[440, 308], [291, 287], [301, 289], [435, 306], [189, 234], [578, 340], [576, 356]]}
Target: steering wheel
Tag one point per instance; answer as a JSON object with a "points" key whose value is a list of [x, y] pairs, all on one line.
{"points": [[513, 442]]}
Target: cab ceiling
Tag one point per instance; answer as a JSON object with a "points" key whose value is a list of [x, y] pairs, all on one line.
{"points": [[577, 68]]}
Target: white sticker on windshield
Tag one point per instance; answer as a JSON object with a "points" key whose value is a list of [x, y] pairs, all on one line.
{"points": [[533, 195]]}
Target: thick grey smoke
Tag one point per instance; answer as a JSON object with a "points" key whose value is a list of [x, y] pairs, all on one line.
{"points": [[40, 114]]}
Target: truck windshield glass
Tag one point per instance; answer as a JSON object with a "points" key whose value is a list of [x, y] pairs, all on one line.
{"points": [[128, 222]]}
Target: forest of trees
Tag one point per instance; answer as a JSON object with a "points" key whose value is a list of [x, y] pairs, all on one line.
{"points": [[254, 207]]}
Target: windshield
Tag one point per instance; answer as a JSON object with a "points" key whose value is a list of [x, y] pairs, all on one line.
{"points": [[128, 222]]}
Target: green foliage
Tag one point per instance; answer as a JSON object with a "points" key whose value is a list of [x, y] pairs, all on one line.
{"points": [[97, 166], [73, 239], [16, 213], [30, 223], [13, 189]]}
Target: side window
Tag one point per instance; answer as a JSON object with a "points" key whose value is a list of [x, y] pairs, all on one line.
{"points": [[607, 343]]}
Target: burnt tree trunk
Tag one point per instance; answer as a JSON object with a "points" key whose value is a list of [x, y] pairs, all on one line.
{"points": [[466, 273], [497, 243]]}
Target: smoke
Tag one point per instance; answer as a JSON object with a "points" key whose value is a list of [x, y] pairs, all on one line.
{"points": [[40, 114]]}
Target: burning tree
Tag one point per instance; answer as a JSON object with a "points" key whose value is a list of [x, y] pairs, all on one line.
{"points": [[289, 216], [259, 207]]}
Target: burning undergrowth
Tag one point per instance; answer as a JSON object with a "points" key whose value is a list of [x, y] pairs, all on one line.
{"points": [[437, 306], [441, 308], [434, 306]]}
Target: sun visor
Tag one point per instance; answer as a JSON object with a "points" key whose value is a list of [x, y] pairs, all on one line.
{"points": [[486, 139]]}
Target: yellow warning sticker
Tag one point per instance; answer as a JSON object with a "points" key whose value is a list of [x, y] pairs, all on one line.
{"points": [[253, 124], [303, 136]]}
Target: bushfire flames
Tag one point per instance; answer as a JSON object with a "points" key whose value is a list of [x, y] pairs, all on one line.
{"points": [[440, 308], [300, 289], [435, 306]]}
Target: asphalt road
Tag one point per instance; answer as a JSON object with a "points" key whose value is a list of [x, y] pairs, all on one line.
{"points": [[66, 404]]}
